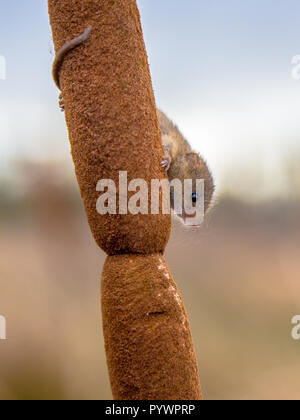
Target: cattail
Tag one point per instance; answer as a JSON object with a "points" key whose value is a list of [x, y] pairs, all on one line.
{"points": [[112, 123]]}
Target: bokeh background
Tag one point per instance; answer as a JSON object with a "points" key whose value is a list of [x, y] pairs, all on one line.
{"points": [[222, 71]]}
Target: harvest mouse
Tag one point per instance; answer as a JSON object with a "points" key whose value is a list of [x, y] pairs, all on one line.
{"points": [[179, 160]]}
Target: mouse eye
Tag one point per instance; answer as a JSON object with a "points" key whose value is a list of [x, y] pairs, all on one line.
{"points": [[194, 198]]}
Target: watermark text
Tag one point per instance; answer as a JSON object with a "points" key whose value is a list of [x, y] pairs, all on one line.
{"points": [[159, 196], [2, 68], [296, 67], [296, 328], [2, 328]]}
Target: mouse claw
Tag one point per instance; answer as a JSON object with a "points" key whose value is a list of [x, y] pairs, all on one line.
{"points": [[166, 163], [61, 103]]}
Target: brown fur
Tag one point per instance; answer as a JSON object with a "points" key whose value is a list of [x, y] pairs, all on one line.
{"points": [[185, 163]]}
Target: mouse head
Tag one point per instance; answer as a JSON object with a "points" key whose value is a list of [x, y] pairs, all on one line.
{"points": [[196, 194]]}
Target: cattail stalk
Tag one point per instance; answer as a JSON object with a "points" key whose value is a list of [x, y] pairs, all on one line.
{"points": [[112, 124]]}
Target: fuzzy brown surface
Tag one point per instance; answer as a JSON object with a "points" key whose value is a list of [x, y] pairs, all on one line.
{"points": [[110, 114], [148, 343], [186, 164]]}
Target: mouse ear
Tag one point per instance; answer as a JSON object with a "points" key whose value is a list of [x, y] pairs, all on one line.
{"points": [[192, 158]]}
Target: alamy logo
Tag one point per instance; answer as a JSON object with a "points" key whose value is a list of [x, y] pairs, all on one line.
{"points": [[2, 68], [2, 328], [185, 199], [296, 329], [296, 67]]}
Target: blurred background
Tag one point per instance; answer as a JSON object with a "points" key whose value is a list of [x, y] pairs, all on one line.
{"points": [[223, 72]]}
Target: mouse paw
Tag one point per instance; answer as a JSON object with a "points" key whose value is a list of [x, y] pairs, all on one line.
{"points": [[61, 103], [166, 162]]}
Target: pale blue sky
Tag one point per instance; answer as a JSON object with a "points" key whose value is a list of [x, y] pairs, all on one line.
{"points": [[220, 69]]}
